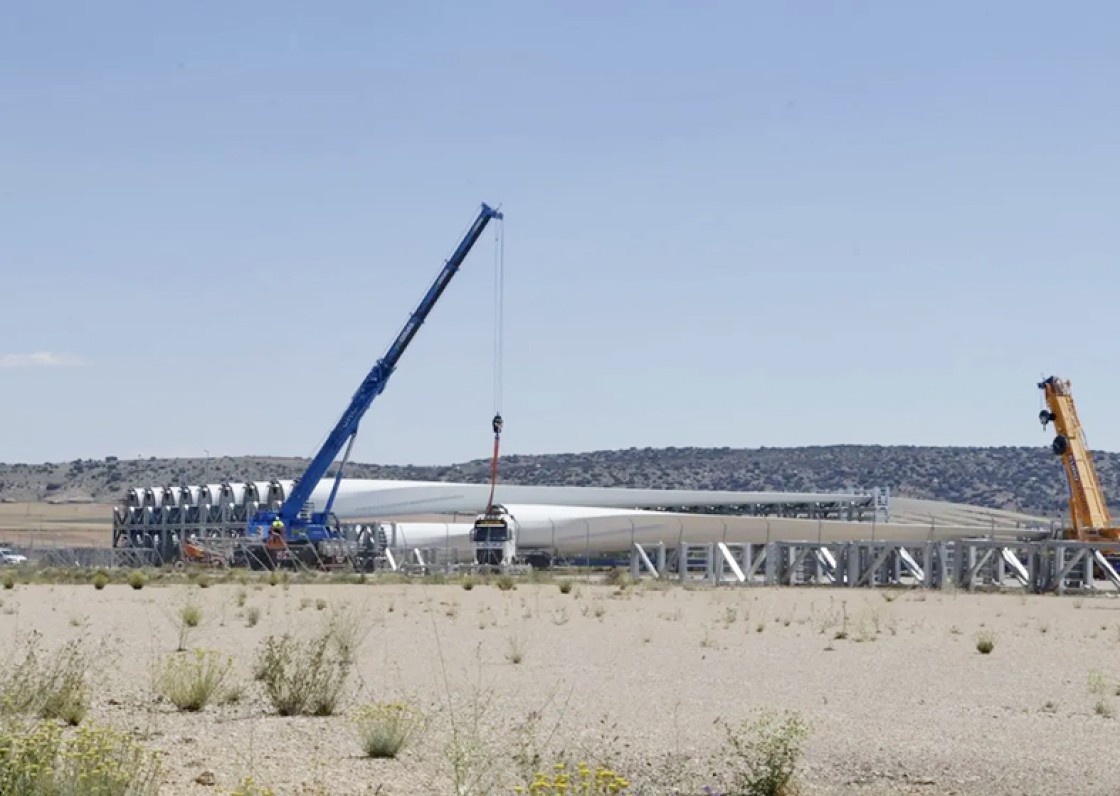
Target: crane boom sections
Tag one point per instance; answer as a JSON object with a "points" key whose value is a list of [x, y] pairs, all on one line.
{"points": [[1089, 515], [372, 386]]}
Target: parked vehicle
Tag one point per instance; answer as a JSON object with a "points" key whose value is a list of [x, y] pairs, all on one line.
{"points": [[9, 557]]}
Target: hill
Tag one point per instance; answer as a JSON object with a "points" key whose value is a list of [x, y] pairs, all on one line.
{"points": [[1018, 479]]}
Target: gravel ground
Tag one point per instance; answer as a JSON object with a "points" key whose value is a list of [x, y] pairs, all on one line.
{"points": [[900, 702]]}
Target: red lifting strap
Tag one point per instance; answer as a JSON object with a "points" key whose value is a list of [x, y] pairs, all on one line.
{"points": [[497, 424]]}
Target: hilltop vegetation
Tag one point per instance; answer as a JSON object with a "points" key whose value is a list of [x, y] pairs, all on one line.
{"points": [[1022, 479]]}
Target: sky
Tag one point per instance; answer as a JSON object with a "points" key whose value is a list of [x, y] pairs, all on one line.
{"points": [[733, 224]]}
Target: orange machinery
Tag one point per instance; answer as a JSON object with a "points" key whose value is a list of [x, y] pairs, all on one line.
{"points": [[1090, 520]]}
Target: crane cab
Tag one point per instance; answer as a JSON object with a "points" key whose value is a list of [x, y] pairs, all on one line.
{"points": [[494, 537]]}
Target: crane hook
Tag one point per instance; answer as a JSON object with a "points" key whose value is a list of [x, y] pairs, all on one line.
{"points": [[496, 424]]}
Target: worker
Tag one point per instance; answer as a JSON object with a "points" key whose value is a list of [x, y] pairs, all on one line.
{"points": [[275, 541]]}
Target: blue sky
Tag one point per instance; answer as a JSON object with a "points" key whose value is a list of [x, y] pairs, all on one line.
{"points": [[734, 224]]}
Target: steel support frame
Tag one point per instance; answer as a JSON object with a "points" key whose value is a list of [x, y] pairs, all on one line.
{"points": [[973, 564]]}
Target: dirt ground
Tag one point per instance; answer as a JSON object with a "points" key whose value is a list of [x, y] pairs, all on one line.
{"points": [[896, 696], [56, 524]]}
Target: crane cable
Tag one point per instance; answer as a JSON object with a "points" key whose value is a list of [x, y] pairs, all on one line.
{"points": [[497, 422]]}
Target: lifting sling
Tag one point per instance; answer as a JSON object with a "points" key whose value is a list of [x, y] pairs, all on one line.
{"points": [[497, 423]]}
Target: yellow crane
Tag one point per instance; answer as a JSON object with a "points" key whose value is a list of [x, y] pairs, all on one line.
{"points": [[1090, 520]]}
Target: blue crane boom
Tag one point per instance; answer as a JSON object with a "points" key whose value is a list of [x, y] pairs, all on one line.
{"points": [[298, 528]]}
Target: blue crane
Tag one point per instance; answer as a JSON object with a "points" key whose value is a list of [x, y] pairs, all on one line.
{"points": [[299, 527]]}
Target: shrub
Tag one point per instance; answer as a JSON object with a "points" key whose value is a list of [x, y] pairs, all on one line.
{"points": [[9, 581], [617, 577], [136, 579], [985, 642], [505, 582], [385, 728], [763, 755], [346, 632], [190, 683], [565, 586], [100, 580], [252, 615], [38, 761], [48, 686], [468, 583], [584, 781], [301, 678]]}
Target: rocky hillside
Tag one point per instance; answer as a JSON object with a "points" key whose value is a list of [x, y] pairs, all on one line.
{"points": [[1023, 479]]}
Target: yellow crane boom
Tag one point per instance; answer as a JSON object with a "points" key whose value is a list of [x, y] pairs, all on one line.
{"points": [[1089, 516]]}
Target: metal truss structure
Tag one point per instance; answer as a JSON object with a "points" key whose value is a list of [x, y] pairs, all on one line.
{"points": [[973, 564], [856, 506]]}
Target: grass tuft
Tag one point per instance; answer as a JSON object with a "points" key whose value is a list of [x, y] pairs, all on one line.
{"points": [[985, 642], [188, 617], [617, 577], [347, 629], [191, 614], [48, 686], [384, 729], [515, 650], [192, 682]]}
